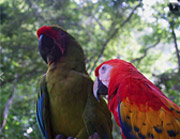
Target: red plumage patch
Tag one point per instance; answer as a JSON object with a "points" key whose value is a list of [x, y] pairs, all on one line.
{"points": [[46, 30]]}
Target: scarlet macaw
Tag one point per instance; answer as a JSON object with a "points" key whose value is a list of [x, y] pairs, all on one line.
{"points": [[140, 109], [66, 106]]}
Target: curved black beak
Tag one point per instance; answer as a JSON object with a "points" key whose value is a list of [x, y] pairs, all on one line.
{"points": [[45, 45], [99, 88], [48, 49]]}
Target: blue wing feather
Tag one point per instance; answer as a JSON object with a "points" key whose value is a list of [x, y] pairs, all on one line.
{"points": [[39, 117], [126, 129]]}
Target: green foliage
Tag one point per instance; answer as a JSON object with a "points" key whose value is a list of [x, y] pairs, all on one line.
{"points": [[170, 82], [104, 28]]}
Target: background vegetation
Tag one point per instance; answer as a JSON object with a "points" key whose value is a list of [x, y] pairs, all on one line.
{"points": [[142, 32]]}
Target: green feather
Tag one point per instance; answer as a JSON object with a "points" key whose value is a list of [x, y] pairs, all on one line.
{"points": [[70, 108]]}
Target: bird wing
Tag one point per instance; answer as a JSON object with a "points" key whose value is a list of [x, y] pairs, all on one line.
{"points": [[42, 113], [97, 117], [145, 113]]}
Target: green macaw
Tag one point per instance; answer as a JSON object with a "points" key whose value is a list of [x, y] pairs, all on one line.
{"points": [[66, 105]]}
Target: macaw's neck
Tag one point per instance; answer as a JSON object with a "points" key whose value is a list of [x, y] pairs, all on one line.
{"points": [[73, 58], [119, 78]]}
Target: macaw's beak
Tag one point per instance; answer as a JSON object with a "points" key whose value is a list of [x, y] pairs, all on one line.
{"points": [[49, 51], [99, 88]]}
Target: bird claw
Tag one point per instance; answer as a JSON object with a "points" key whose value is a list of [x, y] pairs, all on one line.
{"points": [[63, 137], [60, 137], [95, 136], [71, 138]]}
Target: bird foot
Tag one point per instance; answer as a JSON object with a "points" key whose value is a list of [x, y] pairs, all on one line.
{"points": [[95, 136], [60, 137], [63, 137]]}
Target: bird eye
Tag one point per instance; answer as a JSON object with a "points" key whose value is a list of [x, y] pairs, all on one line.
{"points": [[103, 69]]}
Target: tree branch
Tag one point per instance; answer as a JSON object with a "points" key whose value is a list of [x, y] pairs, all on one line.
{"points": [[145, 52], [116, 30], [8, 104], [131, 14], [99, 23], [175, 44]]}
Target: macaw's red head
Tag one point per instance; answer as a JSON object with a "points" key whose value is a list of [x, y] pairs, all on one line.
{"points": [[52, 42], [109, 75]]}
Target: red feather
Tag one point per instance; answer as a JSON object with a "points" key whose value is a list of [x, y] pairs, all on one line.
{"points": [[141, 103], [46, 30]]}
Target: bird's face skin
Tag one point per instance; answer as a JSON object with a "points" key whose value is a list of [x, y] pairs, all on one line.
{"points": [[101, 83], [109, 74], [50, 48]]}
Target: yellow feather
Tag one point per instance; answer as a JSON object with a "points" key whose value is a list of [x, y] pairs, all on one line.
{"points": [[150, 123]]}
